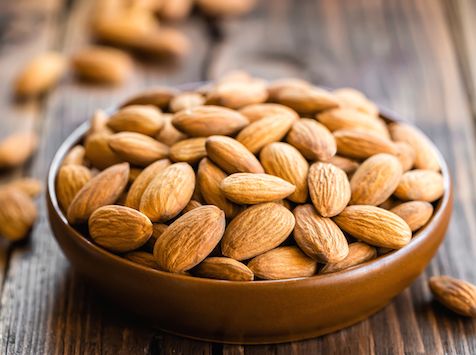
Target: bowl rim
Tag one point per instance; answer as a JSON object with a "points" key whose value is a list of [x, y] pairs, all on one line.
{"points": [[425, 232]]}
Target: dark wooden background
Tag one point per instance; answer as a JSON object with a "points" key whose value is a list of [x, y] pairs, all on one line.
{"points": [[415, 57]]}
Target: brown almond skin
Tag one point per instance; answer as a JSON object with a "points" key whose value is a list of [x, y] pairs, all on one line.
{"points": [[455, 294], [312, 139], [137, 118], [98, 123], [190, 239], [70, 179], [283, 263], [358, 253], [31, 186], [406, 154], [204, 121], [188, 150], [329, 189], [142, 181], [169, 135], [168, 193], [256, 112], [157, 230], [306, 100], [98, 151], [319, 237], [246, 188], [222, 268], [361, 145], [375, 226], [235, 94], [415, 213], [17, 148], [256, 230], [142, 258], [191, 205], [209, 178], [423, 185], [349, 118], [137, 148], [231, 156], [426, 156], [17, 215], [285, 161], [349, 97], [119, 229], [75, 156], [103, 189], [348, 165], [375, 180], [186, 101], [158, 96], [264, 131], [277, 86]]}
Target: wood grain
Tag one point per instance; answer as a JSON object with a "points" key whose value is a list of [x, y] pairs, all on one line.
{"points": [[415, 57]]}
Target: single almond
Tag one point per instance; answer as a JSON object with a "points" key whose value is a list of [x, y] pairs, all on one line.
{"points": [[358, 253], [375, 180], [247, 188], [312, 139], [319, 237], [209, 178], [406, 154], [231, 155], [284, 84], [191, 205], [142, 258], [103, 189], [168, 193], [188, 150], [70, 179], [98, 123], [256, 112], [142, 181], [422, 185], [283, 263], [158, 96], [190, 239], [204, 121], [98, 152], [348, 118], [426, 156], [455, 294], [346, 164], [119, 229], [285, 161], [361, 145], [76, 156], [186, 101], [17, 148], [415, 213], [307, 100], [349, 97], [223, 268], [267, 130], [17, 215], [31, 186], [329, 189], [235, 95], [256, 230], [145, 119], [169, 135], [375, 226]]}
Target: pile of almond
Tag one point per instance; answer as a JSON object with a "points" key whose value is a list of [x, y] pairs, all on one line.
{"points": [[244, 179]]}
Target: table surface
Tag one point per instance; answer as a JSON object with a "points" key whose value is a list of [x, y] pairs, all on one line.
{"points": [[417, 58]]}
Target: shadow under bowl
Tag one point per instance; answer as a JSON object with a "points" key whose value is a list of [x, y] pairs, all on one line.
{"points": [[248, 312]]}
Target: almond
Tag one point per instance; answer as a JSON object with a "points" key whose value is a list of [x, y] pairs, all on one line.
{"points": [[145, 119], [98, 123], [222, 268], [235, 94], [169, 135], [157, 230], [186, 101], [99, 153], [209, 177], [319, 237], [285, 161], [133, 174], [159, 97], [247, 188], [142, 181], [415, 213], [329, 189], [267, 130], [225, 8], [119, 229], [70, 179], [346, 164], [142, 258], [17, 148], [275, 87], [191, 206], [102, 64], [40, 74], [375, 180], [256, 230], [406, 154], [174, 10], [103, 189], [17, 215], [189, 150], [190, 239], [455, 294], [312, 139], [75, 156], [204, 121], [375, 226], [349, 97], [283, 263], [426, 156], [358, 253], [307, 100], [231, 155], [423, 185], [168, 193], [256, 112], [163, 42], [361, 145], [31, 186], [137, 148]]}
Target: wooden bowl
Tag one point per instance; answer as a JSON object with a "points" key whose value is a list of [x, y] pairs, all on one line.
{"points": [[248, 312]]}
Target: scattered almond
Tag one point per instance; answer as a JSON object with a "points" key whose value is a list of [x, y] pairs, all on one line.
{"points": [[455, 294], [17, 215], [17, 148]]}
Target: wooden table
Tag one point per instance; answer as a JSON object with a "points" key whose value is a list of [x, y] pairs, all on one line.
{"points": [[415, 57]]}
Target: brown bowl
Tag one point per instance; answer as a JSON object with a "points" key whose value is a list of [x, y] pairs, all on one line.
{"points": [[248, 312]]}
